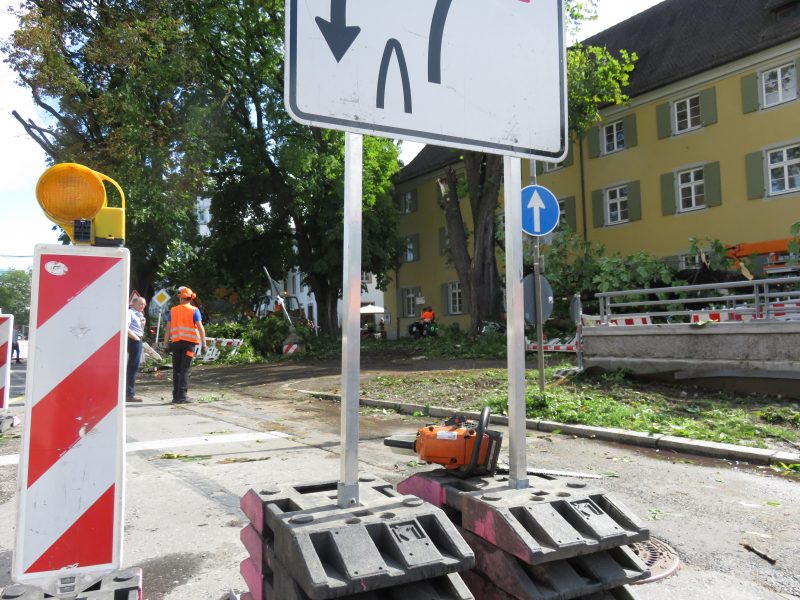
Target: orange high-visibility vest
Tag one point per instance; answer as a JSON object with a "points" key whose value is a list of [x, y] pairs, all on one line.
{"points": [[181, 324]]}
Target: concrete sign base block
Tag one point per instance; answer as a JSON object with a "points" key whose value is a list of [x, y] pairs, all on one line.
{"points": [[120, 584], [302, 542]]}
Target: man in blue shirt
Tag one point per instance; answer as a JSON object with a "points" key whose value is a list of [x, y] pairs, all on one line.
{"points": [[135, 336]]}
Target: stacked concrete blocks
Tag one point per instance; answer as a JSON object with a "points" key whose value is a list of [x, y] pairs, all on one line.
{"points": [[120, 585], [302, 546], [555, 540]]}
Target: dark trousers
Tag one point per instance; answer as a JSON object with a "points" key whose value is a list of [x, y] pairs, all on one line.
{"points": [[134, 360], [181, 369], [15, 348]]}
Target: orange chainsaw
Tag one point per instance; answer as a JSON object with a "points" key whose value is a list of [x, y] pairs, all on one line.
{"points": [[462, 445]]}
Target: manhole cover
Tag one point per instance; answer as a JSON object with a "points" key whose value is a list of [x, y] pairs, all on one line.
{"points": [[662, 560]]}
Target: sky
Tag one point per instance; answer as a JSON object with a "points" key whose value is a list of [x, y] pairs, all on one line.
{"points": [[22, 223]]}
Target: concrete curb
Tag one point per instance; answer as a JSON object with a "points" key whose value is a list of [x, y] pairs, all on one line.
{"points": [[657, 441]]}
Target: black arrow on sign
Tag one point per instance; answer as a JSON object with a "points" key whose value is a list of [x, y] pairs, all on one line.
{"points": [[336, 32]]}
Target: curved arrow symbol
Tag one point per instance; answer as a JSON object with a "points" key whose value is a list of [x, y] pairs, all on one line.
{"points": [[336, 32], [435, 40], [393, 46]]}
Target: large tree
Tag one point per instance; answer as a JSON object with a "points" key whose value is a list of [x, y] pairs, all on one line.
{"points": [[280, 182], [184, 99], [118, 81], [595, 78]]}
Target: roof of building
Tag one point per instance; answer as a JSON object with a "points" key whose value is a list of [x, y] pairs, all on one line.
{"points": [[673, 40], [680, 38], [430, 158]]}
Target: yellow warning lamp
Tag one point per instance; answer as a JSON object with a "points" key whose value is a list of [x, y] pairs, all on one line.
{"points": [[74, 198]]}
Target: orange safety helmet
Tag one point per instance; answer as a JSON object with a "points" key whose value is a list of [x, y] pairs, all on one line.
{"points": [[185, 292]]}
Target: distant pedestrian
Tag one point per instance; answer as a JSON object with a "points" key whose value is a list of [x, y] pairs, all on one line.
{"points": [[185, 331], [15, 343], [135, 337]]}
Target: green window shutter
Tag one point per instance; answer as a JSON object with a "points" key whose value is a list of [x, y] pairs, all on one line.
{"points": [[442, 241], [465, 303], [413, 201], [629, 129], [668, 200], [401, 311], [598, 209], [445, 299], [634, 201], [594, 142], [569, 160], [750, 101], [713, 184], [539, 168], [569, 212], [754, 168], [664, 120], [708, 106]]}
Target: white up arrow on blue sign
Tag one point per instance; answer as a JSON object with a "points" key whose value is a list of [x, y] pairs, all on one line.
{"points": [[540, 210]]}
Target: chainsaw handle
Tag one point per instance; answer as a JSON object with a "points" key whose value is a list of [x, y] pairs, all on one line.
{"points": [[483, 425]]}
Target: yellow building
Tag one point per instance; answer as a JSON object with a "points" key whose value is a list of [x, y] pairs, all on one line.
{"points": [[707, 147]]}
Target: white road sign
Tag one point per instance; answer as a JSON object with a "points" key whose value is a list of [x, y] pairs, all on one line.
{"points": [[485, 75]]}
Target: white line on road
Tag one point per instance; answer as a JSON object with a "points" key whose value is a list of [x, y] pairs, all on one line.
{"points": [[13, 459]]}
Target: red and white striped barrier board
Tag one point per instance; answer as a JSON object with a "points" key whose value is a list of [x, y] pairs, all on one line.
{"points": [[595, 321], [555, 345], [215, 344], [71, 477], [291, 348], [6, 330]]}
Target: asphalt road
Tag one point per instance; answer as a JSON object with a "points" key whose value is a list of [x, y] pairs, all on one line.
{"points": [[182, 519]]}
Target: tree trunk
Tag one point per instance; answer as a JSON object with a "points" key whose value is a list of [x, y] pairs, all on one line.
{"points": [[326, 298]]}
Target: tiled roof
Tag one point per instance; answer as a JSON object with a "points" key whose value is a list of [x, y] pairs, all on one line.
{"points": [[430, 158], [674, 40], [680, 38]]}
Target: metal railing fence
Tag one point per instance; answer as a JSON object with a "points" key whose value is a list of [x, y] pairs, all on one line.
{"points": [[775, 299]]}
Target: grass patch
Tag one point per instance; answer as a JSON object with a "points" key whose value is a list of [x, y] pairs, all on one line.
{"points": [[610, 400]]}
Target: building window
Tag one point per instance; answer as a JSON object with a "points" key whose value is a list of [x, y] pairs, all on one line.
{"points": [[780, 84], [366, 278], [410, 249], [408, 298], [455, 302], [407, 203], [614, 137], [692, 190], [689, 261], [687, 114], [551, 166], [617, 205], [784, 170]]}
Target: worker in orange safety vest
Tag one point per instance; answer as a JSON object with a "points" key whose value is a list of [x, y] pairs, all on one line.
{"points": [[185, 331]]}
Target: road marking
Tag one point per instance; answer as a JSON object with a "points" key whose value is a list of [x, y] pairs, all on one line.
{"points": [[13, 459]]}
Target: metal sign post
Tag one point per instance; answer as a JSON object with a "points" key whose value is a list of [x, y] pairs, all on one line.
{"points": [[515, 333], [540, 216], [351, 306]]}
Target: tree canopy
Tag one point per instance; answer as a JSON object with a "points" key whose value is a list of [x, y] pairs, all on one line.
{"points": [[15, 295], [184, 100]]}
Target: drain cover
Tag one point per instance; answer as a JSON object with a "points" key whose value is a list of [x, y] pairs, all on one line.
{"points": [[662, 560]]}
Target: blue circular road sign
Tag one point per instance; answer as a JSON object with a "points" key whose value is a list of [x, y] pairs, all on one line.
{"points": [[540, 210]]}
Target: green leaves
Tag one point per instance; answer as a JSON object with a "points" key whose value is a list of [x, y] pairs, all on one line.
{"points": [[15, 295]]}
